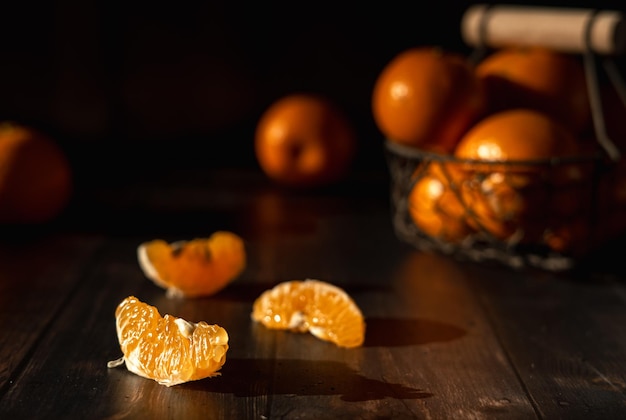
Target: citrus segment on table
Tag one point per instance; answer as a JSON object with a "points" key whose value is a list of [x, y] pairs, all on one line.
{"points": [[199, 267], [167, 349], [313, 306]]}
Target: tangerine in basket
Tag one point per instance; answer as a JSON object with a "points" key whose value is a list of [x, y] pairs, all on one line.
{"points": [[167, 349], [304, 140], [510, 196], [611, 197], [199, 267], [427, 98], [574, 237], [537, 78], [435, 207], [35, 176], [321, 308], [611, 202]]}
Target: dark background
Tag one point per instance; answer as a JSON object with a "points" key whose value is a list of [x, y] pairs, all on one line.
{"points": [[133, 87]]}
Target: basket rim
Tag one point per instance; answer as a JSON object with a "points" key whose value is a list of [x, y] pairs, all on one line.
{"points": [[411, 152]]}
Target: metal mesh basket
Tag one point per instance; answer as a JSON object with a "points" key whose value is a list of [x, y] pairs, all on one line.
{"points": [[516, 213]]}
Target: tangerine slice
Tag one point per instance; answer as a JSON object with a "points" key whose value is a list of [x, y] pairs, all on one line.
{"points": [[167, 349], [323, 309], [199, 267]]}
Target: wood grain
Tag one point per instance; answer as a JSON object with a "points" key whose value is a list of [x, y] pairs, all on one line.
{"points": [[445, 339], [564, 337], [36, 278]]}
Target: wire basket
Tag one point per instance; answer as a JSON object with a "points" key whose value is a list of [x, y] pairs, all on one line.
{"points": [[547, 213], [519, 214]]}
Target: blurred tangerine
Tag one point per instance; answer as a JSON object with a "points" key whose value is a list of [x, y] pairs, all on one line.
{"points": [[304, 140], [427, 98], [537, 78], [573, 237], [435, 207], [610, 200], [36, 182], [508, 185]]}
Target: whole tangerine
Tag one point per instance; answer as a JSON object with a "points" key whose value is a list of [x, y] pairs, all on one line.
{"points": [[435, 207], [517, 135], [427, 97], [610, 202], [35, 176], [305, 140], [540, 79], [573, 237], [510, 185]]}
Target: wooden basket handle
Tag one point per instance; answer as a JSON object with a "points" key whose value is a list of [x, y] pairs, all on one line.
{"points": [[569, 30]]}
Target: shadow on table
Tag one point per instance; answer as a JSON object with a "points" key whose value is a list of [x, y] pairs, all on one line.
{"points": [[291, 377], [395, 332], [239, 291]]}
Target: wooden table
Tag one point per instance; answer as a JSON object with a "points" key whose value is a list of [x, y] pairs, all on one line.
{"points": [[445, 339]]}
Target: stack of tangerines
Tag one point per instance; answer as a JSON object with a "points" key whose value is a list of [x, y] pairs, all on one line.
{"points": [[504, 149]]}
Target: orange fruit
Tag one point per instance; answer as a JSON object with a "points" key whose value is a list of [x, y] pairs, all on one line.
{"points": [[614, 114], [304, 140], [199, 267], [517, 135], [537, 78], [427, 98], [504, 204], [573, 237], [435, 207], [167, 349], [323, 309], [610, 204], [35, 176], [510, 198]]}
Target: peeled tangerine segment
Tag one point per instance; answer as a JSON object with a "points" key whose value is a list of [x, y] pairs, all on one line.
{"points": [[167, 349], [199, 267], [324, 310]]}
